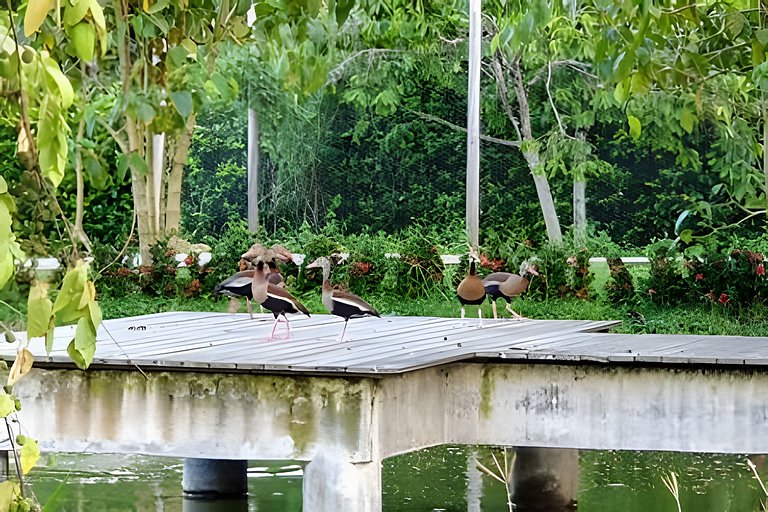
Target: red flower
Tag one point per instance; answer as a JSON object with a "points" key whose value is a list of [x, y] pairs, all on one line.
{"points": [[723, 298], [699, 277], [651, 291], [189, 260], [760, 270]]}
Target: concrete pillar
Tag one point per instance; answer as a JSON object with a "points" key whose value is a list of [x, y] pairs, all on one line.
{"points": [[332, 484], [546, 479], [214, 478]]}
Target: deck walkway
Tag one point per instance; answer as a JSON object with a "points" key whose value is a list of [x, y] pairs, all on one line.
{"points": [[231, 343]]}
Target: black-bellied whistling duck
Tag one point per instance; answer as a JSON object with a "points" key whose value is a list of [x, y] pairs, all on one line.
{"points": [[505, 285], [238, 285], [471, 291], [273, 298], [344, 304]]}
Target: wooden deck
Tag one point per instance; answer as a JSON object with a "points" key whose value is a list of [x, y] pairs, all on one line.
{"points": [[235, 343]]}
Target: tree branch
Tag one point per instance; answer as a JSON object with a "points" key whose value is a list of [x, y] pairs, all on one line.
{"points": [[444, 122]]}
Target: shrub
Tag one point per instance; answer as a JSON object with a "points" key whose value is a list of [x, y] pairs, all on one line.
{"points": [[620, 286]]}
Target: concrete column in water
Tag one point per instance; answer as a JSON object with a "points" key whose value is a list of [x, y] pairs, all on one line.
{"points": [[215, 478], [546, 479], [332, 483]]}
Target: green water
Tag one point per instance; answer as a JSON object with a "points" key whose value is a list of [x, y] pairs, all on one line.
{"points": [[429, 480]]}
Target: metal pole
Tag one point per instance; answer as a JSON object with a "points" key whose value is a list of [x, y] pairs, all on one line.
{"points": [[253, 170], [473, 125]]}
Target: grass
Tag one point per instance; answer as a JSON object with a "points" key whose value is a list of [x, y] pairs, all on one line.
{"points": [[642, 318]]}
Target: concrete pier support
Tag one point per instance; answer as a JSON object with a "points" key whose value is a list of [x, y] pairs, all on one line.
{"points": [[332, 484], [545, 479], [215, 478]]}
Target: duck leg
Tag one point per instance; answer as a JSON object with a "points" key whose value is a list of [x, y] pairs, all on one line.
{"points": [[515, 314], [479, 317], [346, 322], [250, 307], [495, 315], [274, 326], [462, 312]]}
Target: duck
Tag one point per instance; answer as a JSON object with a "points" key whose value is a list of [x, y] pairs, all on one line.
{"points": [[238, 285], [506, 285], [471, 291], [344, 304], [273, 298]]}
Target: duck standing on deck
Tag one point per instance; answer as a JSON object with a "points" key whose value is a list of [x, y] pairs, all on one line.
{"points": [[344, 304], [506, 285], [471, 291], [273, 298]]}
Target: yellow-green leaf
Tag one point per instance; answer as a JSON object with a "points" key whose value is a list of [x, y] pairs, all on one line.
{"points": [[7, 405], [82, 348], [66, 308], [21, 366], [37, 10], [83, 37], [634, 127], [95, 311], [621, 92], [7, 491], [40, 310], [49, 335], [30, 453], [6, 239], [66, 92]]}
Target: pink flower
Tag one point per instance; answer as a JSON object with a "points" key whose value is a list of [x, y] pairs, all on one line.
{"points": [[651, 291], [571, 261], [723, 298], [711, 295], [699, 277], [760, 270]]}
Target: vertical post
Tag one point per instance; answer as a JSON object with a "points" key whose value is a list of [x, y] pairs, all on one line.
{"points": [[158, 169], [253, 170], [473, 125]]}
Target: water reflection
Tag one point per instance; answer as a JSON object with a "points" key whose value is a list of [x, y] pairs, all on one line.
{"points": [[437, 479]]}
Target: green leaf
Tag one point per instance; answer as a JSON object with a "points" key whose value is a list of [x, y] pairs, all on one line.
{"points": [[343, 7], [83, 37], [30, 453], [145, 112], [623, 65], [762, 36], [680, 219], [82, 348], [634, 127], [7, 405], [621, 92], [37, 10], [75, 12], [39, 310], [182, 100], [686, 235], [95, 312], [138, 164], [176, 57], [49, 335], [686, 119]]}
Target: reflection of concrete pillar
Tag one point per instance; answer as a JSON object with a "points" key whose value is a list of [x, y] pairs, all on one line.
{"points": [[474, 483], [213, 478], [546, 479], [200, 505], [333, 484]]}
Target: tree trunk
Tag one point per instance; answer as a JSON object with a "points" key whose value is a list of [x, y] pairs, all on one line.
{"points": [[473, 126], [78, 230], [172, 213], [533, 158], [254, 148], [765, 150], [579, 212]]}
